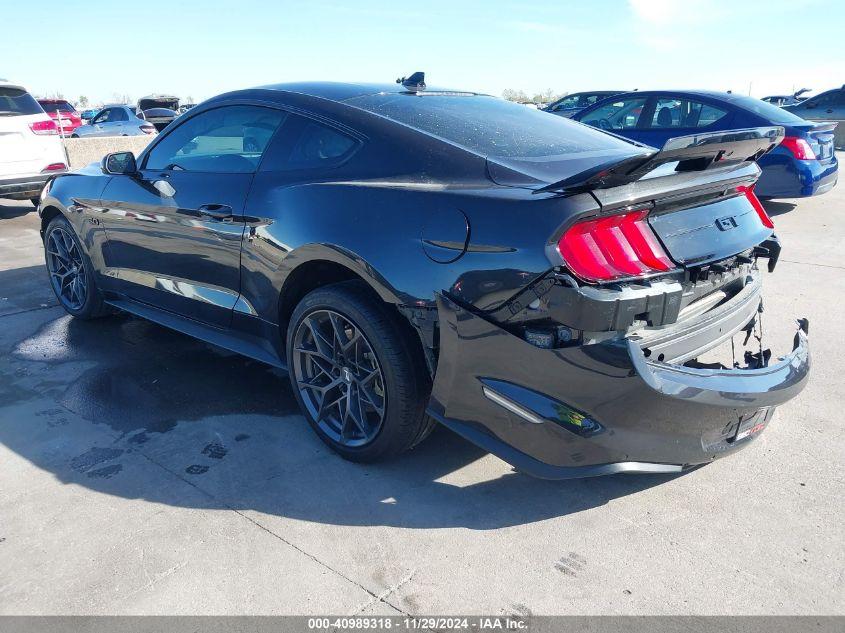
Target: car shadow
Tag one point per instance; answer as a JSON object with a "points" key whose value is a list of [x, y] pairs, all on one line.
{"points": [[776, 208], [120, 405], [15, 209]]}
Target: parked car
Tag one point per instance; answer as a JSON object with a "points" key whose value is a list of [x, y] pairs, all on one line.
{"points": [[827, 106], [509, 273], [63, 113], [160, 110], [804, 164], [185, 107], [89, 114], [572, 104], [115, 120], [784, 100], [30, 149]]}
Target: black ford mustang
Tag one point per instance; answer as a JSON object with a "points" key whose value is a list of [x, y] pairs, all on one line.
{"points": [[414, 256]]}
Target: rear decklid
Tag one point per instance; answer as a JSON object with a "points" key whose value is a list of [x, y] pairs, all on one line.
{"points": [[158, 101], [698, 190], [820, 136]]}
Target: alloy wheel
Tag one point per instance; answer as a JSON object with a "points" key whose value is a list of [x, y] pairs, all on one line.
{"points": [[339, 378], [67, 269]]}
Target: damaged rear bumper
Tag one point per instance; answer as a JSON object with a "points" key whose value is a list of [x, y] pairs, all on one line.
{"points": [[598, 409]]}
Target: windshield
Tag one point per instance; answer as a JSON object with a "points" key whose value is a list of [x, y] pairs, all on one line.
{"points": [[766, 110], [14, 101], [60, 106], [493, 127]]}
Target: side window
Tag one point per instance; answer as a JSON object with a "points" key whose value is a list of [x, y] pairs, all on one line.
{"points": [[618, 115], [567, 103], [306, 144], [116, 115], [230, 139], [684, 113], [102, 117], [709, 115]]}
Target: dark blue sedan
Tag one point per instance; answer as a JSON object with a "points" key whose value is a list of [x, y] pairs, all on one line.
{"points": [[804, 164]]}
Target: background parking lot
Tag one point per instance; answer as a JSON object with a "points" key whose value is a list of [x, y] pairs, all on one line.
{"points": [[143, 472]]}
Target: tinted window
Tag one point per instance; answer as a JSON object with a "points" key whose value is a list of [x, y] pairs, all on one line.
{"points": [[489, 126], [116, 115], [14, 101], [768, 111], [230, 139], [62, 106], [684, 113], [617, 115], [319, 145]]}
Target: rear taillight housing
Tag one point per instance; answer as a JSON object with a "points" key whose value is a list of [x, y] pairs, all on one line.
{"points": [[148, 128], [54, 167], [799, 147], [613, 247], [44, 127], [748, 192]]}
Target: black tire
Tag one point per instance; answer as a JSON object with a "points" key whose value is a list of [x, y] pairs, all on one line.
{"points": [[35, 201], [74, 135], [86, 303], [405, 384]]}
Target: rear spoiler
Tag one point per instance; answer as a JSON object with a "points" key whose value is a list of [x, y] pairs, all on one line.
{"points": [[824, 126], [692, 153]]}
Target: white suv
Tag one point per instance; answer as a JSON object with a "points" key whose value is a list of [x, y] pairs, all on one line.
{"points": [[30, 149]]}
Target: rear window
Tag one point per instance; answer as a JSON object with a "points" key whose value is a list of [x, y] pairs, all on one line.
{"points": [[14, 101], [766, 110], [60, 106], [491, 127]]}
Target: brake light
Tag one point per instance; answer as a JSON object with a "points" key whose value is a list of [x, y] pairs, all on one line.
{"points": [[148, 128], [613, 247], [799, 147], [44, 127], [54, 167], [758, 206]]}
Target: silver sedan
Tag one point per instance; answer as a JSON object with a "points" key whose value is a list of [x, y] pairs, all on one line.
{"points": [[115, 120]]}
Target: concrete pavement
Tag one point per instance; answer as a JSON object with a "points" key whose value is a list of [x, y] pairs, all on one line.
{"points": [[143, 472]]}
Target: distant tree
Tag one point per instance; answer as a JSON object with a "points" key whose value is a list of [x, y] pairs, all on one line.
{"points": [[547, 96], [514, 95], [121, 98], [83, 101], [189, 99]]}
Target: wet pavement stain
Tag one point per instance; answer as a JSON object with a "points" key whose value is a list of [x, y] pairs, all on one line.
{"points": [[147, 378], [196, 469], [106, 472], [215, 450], [94, 457]]}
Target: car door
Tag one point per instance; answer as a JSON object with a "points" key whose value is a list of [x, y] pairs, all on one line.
{"points": [[174, 228], [107, 123], [674, 116]]}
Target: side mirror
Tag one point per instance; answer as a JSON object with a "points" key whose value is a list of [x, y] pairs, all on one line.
{"points": [[120, 164]]}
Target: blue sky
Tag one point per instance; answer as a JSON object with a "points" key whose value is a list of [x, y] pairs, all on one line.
{"points": [[199, 48]]}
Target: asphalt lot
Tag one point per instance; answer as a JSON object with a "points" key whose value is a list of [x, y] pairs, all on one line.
{"points": [[142, 472]]}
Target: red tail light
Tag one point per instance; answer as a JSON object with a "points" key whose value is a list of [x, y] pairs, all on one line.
{"points": [[613, 247], [54, 167], [758, 206], [44, 127], [148, 128], [799, 147]]}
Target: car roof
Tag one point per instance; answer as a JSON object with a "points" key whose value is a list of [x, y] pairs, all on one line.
{"points": [[52, 101], [338, 91], [9, 84]]}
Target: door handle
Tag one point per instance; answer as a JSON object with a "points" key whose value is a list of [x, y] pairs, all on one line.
{"points": [[216, 211]]}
